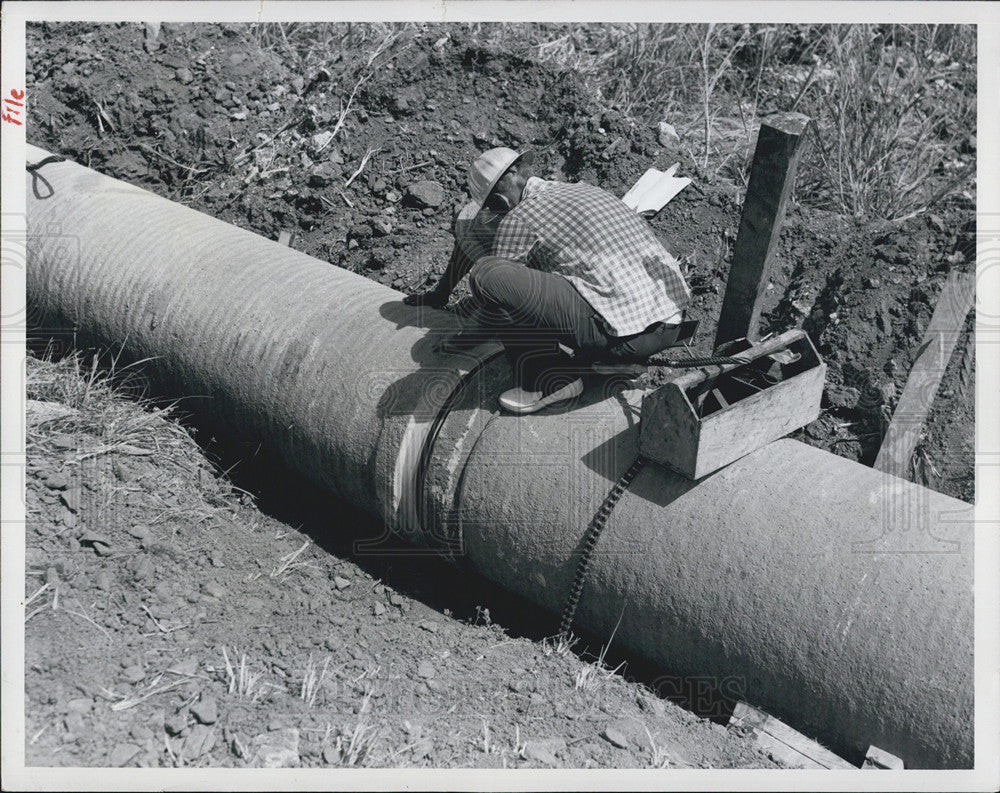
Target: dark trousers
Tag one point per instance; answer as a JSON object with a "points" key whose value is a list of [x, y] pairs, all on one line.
{"points": [[533, 312]]}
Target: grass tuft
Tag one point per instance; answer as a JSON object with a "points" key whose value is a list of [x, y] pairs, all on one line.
{"points": [[312, 680], [245, 683]]}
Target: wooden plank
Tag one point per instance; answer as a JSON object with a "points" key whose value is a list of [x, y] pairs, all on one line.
{"points": [[783, 743], [939, 340], [772, 176], [881, 759]]}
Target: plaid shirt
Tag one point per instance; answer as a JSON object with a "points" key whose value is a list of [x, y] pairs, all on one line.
{"points": [[596, 242]]}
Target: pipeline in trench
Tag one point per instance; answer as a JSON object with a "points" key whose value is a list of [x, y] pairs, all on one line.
{"points": [[840, 596]]}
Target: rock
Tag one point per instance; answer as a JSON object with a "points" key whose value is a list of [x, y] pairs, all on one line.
{"points": [[57, 481], [140, 532], [122, 754], [667, 135], [392, 196], [213, 590], [396, 599], [143, 568], [544, 751], [133, 674], [840, 396], [298, 83], [176, 724], [426, 669], [206, 710], [74, 723], [872, 283], [80, 705], [381, 227], [199, 741], [430, 626], [278, 749], [379, 609], [184, 75], [321, 139], [141, 733], [100, 543], [72, 498], [330, 755], [815, 429], [323, 174], [802, 307], [340, 582], [380, 257], [361, 231], [615, 737], [425, 194], [187, 667]]}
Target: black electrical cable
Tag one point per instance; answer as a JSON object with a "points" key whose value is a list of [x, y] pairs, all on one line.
{"points": [[711, 360], [36, 177]]}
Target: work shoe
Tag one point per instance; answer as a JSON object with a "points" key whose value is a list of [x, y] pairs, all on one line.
{"points": [[518, 400]]}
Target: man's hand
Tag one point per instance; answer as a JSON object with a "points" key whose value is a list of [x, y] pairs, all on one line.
{"points": [[433, 298]]}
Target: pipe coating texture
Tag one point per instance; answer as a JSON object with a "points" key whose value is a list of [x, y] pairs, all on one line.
{"points": [[834, 596]]}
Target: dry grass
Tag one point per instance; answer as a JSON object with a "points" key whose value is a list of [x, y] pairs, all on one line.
{"points": [[100, 399], [243, 682], [893, 105], [312, 680], [589, 677], [356, 745], [289, 562]]}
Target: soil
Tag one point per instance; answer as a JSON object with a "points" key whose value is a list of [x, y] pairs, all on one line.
{"points": [[154, 563], [175, 620]]}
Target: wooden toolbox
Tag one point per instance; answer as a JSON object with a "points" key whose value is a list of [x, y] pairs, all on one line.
{"points": [[708, 417]]}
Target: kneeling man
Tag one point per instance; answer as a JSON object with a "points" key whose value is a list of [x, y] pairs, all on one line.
{"points": [[568, 264]]}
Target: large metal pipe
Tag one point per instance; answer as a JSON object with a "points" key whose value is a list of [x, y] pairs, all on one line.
{"points": [[836, 597]]}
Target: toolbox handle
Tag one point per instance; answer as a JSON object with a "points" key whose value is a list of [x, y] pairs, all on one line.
{"points": [[693, 377]]}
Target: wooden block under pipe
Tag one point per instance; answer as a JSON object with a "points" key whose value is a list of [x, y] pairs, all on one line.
{"points": [[782, 742]]}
